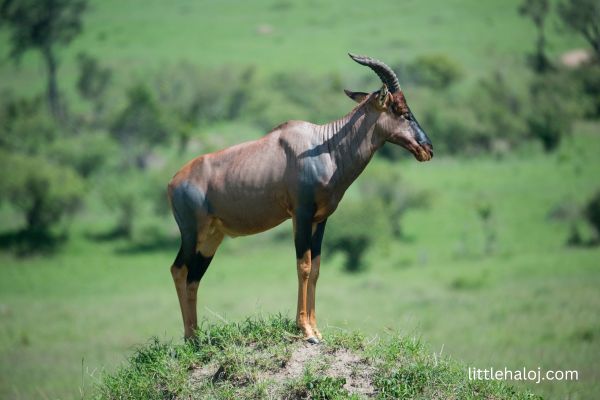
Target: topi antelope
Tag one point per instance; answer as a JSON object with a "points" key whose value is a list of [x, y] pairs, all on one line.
{"points": [[299, 170]]}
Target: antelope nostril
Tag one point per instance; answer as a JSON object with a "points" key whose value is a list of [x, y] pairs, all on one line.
{"points": [[426, 143]]}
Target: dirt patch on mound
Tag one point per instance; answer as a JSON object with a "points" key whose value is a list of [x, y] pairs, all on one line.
{"points": [[321, 360], [302, 356]]}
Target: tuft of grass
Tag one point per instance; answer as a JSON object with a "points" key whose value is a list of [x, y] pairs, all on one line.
{"points": [[342, 339], [406, 370], [154, 371], [312, 385], [263, 357]]}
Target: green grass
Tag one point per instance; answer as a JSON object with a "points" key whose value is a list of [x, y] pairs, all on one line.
{"points": [[248, 358]]}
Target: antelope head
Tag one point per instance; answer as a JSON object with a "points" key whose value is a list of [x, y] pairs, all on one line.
{"points": [[396, 123]]}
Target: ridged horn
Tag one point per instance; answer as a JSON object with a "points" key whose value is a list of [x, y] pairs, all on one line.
{"points": [[384, 72]]}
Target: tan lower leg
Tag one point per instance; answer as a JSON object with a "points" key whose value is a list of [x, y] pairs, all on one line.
{"points": [[303, 268], [191, 324], [179, 275], [312, 288]]}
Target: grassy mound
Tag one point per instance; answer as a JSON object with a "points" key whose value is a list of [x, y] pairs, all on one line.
{"points": [[266, 358]]}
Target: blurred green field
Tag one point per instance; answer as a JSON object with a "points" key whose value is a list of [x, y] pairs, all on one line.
{"points": [[530, 301], [135, 37], [534, 302]]}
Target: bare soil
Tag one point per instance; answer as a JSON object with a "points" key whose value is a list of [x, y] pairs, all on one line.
{"points": [[340, 363]]}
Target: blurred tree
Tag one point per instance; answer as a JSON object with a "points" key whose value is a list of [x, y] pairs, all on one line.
{"points": [[124, 200], [87, 153], [241, 94], [44, 192], [194, 97], [134, 198], [588, 77], [583, 17], [374, 218], [94, 80], [140, 126], [24, 127], [353, 229], [43, 25], [500, 113], [298, 95], [554, 107], [538, 10]]}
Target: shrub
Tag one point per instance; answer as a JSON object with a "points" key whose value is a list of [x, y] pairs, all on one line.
{"points": [[93, 78], [554, 107], [353, 229], [43, 191], [581, 16], [592, 212], [500, 112], [201, 96], [197, 97], [140, 126], [93, 83], [385, 186], [374, 218], [455, 128], [296, 95], [123, 196], [437, 71], [86, 152], [26, 127], [136, 199], [587, 78], [490, 116]]}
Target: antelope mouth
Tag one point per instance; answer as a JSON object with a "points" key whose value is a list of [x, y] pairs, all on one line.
{"points": [[421, 152]]}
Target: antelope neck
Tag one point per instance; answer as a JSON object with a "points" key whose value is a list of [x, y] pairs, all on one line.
{"points": [[352, 141]]}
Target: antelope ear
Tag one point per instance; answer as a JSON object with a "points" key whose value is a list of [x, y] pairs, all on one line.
{"points": [[382, 96], [356, 96]]}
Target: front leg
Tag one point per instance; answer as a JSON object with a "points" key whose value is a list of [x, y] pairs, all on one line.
{"points": [[315, 250], [302, 240]]}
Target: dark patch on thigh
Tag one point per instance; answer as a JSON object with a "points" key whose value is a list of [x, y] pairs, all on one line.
{"points": [[188, 201], [197, 267]]}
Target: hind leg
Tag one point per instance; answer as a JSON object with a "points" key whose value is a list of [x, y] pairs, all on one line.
{"points": [[187, 273], [199, 241], [206, 248], [179, 272]]}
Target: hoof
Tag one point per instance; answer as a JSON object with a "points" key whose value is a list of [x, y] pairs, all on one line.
{"points": [[312, 340]]}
